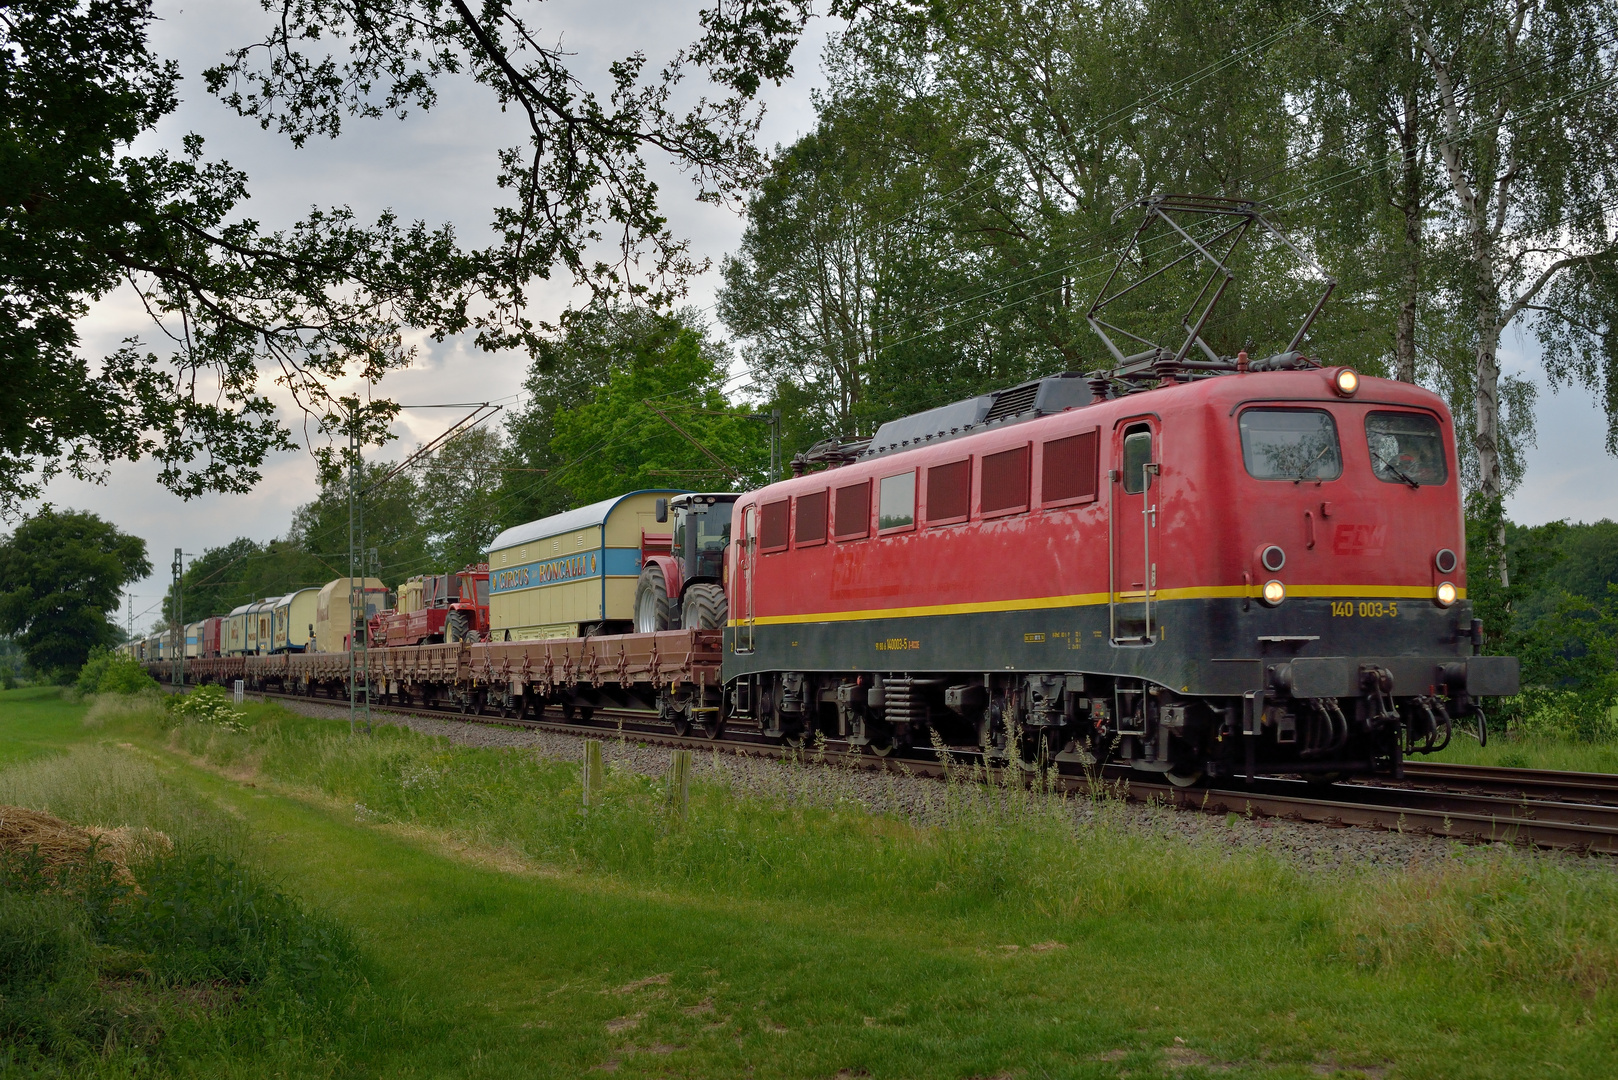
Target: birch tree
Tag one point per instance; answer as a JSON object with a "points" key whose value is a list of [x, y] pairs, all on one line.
{"points": [[1526, 134]]}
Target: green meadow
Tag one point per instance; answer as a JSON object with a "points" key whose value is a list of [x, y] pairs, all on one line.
{"points": [[395, 906]]}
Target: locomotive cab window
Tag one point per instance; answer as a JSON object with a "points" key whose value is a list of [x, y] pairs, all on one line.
{"points": [[1137, 455], [1406, 448], [896, 502], [1290, 444]]}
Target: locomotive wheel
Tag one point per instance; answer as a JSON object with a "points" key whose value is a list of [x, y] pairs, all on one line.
{"points": [[702, 607], [1184, 776], [653, 612], [1038, 747], [880, 735]]}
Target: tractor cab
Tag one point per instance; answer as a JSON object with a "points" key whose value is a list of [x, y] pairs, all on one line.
{"points": [[701, 532], [469, 609], [684, 588]]}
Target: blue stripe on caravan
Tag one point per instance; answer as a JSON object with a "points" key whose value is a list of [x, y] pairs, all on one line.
{"points": [[582, 566], [623, 562]]}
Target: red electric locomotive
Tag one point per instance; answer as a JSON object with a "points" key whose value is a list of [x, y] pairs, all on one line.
{"points": [[1262, 570], [1232, 567]]}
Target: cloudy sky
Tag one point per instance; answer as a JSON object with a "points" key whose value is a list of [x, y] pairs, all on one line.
{"points": [[439, 166]]}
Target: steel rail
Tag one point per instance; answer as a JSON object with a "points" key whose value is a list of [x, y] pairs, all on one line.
{"points": [[1470, 818], [1527, 783], [1480, 824]]}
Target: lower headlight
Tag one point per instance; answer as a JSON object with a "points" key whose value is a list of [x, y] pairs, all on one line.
{"points": [[1445, 594], [1274, 592]]}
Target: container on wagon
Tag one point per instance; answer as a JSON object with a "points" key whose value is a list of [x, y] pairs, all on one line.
{"points": [[571, 573]]}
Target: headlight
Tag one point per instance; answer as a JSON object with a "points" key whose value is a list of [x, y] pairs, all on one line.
{"points": [[1274, 592], [1346, 381], [1445, 594]]}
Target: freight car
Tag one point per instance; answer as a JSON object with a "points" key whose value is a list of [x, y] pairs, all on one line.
{"points": [[573, 573]]}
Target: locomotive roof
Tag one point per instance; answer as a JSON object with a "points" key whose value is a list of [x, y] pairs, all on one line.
{"points": [[1025, 401], [581, 517], [1261, 384]]}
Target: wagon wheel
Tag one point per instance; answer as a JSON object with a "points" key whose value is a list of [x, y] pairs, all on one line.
{"points": [[676, 712], [712, 725]]}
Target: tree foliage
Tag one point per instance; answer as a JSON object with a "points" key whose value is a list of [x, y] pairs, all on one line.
{"points": [[660, 421], [606, 403], [61, 573], [969, 184], [82, 214]]}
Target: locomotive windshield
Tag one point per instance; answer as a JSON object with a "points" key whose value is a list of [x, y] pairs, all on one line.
{"points": [[1406, 448], [1290, 444]]}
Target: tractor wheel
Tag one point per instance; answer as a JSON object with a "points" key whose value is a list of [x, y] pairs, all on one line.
{"points": [[457, 626], [703, 607], [653, 612]]}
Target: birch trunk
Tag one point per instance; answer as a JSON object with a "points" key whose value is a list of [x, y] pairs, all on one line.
{"points": [[1404, 330]]}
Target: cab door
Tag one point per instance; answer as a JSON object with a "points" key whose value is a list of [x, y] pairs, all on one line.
{"points": [[1132, 547], [742, 580]]}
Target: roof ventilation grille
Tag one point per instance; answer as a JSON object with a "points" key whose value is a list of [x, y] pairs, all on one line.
{"points": [[1010, 402]]}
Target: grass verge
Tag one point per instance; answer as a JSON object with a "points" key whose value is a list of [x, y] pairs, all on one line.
{"points": [[783, 934]]}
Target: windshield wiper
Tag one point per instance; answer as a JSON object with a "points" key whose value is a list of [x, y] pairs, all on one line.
{"points": [[1396, 471], [1310, 464]]}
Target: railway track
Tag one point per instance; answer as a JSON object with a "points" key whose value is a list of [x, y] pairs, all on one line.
{"points": [[1467, 803]]}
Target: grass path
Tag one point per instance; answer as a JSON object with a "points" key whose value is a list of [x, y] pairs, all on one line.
{"points": [[491, 967]]}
